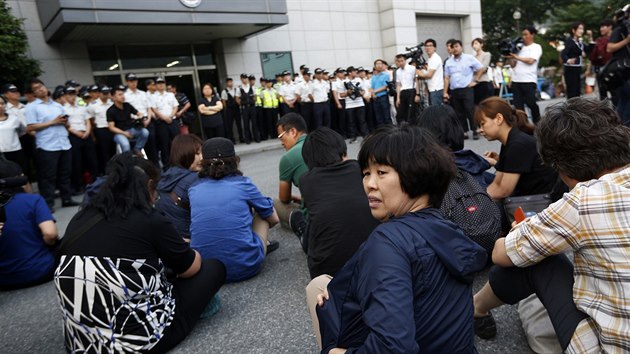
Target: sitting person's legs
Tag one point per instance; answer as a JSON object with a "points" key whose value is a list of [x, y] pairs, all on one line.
{"points": [[261, 228], [551, 280], [191, 297], [140, 136], [314, 288], [123, 142]]}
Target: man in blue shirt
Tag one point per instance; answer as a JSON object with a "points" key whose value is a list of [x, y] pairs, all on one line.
{"points": [[461, 73], [379, 93], [48, 120]]}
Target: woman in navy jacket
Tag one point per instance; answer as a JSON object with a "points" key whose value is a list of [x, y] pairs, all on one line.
{"points": [[408, 288]]}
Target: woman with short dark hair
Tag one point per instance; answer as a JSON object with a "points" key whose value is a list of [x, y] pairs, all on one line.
{"points": [[173, 187], [112, 283], [222, 225], [408, 288], [573, 56], [210, 109]]}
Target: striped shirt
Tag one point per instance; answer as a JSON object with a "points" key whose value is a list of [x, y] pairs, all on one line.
{"points": [[593, 220]]}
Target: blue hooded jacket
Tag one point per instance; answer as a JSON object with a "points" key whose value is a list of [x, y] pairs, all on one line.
{"points": [[475, 165], [408, 289], [177, 180]]}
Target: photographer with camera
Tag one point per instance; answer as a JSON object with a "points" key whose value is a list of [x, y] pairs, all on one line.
{"points": [[355, 107], [618, 46], [405, 89], [123, 126], [27, 235], [461, 73], [525, 74]]}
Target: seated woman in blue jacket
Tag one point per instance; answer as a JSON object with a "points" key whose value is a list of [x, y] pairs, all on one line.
{"points": [[408, 288]]}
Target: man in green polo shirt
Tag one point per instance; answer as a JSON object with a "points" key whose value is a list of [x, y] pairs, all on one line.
{"points": [[291, 131]]}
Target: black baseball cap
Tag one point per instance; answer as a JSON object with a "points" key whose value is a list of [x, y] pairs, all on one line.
{"points": [[217, 148], [8, 88], [318, 70], [105, 89], [351, 69], [285, 73], [84, 93], [340, 70], [93, 88], [159, 79], [70, 89], [131, 77], [72, 83], [360, 68]]}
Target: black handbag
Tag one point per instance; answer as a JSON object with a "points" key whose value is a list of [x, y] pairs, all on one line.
{"points": [[614, 73], [531, 204]]}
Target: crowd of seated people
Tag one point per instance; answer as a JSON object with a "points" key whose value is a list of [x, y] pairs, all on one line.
{"points": [[390, 253]]}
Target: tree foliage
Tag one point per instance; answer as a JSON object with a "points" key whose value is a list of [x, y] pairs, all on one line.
{"points": [[15, 65], [591, 13]]}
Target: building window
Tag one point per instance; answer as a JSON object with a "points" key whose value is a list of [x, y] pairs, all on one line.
{"points": [[275, 63], [203, 54], [103, 58], [155, 56]]}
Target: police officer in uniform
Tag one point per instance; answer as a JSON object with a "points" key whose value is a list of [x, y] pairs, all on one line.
{"points": [[246, 99], [355, 108], [288, 93], [97, 111], [321, 109], [339, 95], [270, 110], [232, 114], [305, 91], [258, 103]]}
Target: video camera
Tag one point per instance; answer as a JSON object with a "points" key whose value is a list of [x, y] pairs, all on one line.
{"points": [[138, 123], [355, 90], [416, 55], [511, 46], [621, 18]]}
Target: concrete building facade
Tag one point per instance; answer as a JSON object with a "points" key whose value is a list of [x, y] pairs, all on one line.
{"points": [[193, 41]]}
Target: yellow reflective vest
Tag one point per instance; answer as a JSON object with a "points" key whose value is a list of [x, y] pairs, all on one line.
{"points": [[270, 98], [258, 92]]}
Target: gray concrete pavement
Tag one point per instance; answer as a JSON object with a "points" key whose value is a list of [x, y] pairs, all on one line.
{"points": [[266, 314]]}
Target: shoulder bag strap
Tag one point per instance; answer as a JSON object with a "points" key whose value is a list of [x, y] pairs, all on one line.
{"points": [[69, 239]]}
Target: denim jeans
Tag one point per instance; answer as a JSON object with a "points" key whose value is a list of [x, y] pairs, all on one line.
{"points": [[139, 135], [381, 110], [436, 97]]}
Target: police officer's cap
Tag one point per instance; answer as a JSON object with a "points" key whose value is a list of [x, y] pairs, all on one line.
{"points": [[319, 70], [84, 92], [360, 69], [285, 73], [131, 77], [340, 70], [70, 89], [58, 93], [351, 69], [159, 79], [278, 75], [8, 88], [93, 88], [244, 76], [105, 89], [72, 83], [252, 77]]}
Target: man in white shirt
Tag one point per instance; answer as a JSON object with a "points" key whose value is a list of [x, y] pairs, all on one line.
{"points": [[321, 109], [288, 93], [97, 111], [141, 102], [339, 93], [83, 148], [246, 99], [164, 106], [433, 73], [305, 91], [525, 74], [405, 90], [355, 107]]}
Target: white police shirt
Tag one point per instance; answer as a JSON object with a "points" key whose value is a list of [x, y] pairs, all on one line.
{"points": [[139, 100], [97, 109], [320, 89]]}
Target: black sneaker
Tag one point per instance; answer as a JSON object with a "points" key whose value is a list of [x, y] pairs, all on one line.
{"points": [[272, 246], [485, 327], [297, 223]]}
